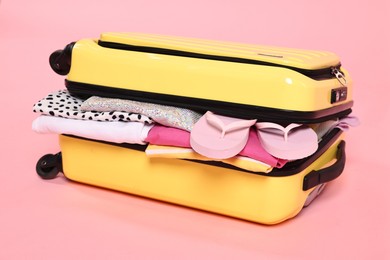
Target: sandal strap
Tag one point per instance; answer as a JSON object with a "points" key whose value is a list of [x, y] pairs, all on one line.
{"points": [[225, 128], [285, 130]]}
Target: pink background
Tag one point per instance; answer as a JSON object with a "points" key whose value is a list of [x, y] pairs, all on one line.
{"points": [[59, 219]]}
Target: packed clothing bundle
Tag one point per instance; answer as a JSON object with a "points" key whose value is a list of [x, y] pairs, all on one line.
{"points": [[173, 132], [243, 130]]}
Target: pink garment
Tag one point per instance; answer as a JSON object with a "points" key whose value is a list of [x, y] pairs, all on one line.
{"points": [[163, 135], [253, 149]]}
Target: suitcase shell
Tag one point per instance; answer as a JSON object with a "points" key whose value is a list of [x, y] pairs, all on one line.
{"points": [[263, 198], [240, 80], [248, 81]]}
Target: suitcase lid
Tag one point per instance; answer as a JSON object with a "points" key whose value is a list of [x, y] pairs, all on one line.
{"points": [[288, 57]]}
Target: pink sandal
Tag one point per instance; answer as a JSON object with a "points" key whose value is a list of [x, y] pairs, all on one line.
{"points": [[292, 142], [220, 137]]}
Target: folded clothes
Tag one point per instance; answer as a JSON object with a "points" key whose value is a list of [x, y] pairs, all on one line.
{"points": [[169, 136], [63, 104], [166, 115], [116, 132], [158, 151], [164, 135], [323, 128], [343, 124]]}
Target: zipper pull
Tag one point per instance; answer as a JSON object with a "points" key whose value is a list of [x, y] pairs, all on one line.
{"points": [[339, 75]]}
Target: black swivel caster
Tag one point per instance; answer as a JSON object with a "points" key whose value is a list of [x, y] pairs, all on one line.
{"points": [[49, 166]]}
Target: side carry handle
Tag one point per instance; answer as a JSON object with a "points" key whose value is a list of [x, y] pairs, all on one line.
{"points": [[60, 60], [330, 173]]}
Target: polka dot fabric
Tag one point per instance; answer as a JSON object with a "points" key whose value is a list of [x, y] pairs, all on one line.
{"points": [[63, 104]]}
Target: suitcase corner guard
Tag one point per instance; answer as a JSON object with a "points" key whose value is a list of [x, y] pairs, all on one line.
{"points": [[60, 60]]}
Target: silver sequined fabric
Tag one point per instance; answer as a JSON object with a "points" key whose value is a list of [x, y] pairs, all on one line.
{"points": [[62, 104], [166, 115]]}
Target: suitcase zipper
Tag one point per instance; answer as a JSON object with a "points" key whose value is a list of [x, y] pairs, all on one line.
{"points": [[317, 74], [289, 169], [244, 111], [339, 75]]}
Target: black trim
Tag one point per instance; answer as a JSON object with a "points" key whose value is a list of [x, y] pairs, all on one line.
{"points": [[289, 169], [244, 111], [318, 74]]}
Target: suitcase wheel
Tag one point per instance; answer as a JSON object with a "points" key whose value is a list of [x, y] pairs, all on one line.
{"points": [[49, 166]]}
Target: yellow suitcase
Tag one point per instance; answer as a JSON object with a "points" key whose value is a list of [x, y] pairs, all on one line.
{"points": [[240, 80], [248, 81]]}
